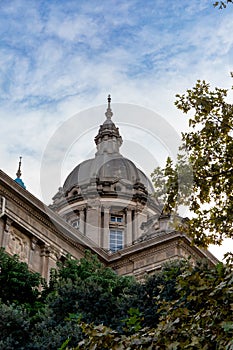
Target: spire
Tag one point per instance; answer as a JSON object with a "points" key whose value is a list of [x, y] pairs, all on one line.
{"points": [[109, 113], [108, 139], [18, 174]]}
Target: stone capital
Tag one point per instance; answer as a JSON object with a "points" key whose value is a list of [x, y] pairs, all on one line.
{"points": [[34, 241], [93, 203], [8, 224]]}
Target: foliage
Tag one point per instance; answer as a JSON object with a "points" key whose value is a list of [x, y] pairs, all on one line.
{"points": [[208, 183], [133, 322], [200, 316], [222, 4], [173, 184], [14, 326], [85, 287], [17, 284], [101, 337], [88, 306], [48, 333], [159, 286]]}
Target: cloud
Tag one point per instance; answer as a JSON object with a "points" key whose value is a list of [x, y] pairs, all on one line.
{"points": [[58, 59], [65, 51]]}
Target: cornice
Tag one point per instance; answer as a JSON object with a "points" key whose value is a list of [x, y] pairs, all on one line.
{"points": [[145, 248]]}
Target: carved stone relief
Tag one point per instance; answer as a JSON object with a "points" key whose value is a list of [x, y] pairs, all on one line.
{"points": [[18, 244]]}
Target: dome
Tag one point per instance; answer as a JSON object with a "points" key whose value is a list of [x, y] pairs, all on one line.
{"points": [[20, 182], [104, 168], [107, 197], [108, 166]]}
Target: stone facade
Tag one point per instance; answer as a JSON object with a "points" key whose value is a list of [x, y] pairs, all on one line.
{"points": [[41, 237], [30, 230], [106, 205]]}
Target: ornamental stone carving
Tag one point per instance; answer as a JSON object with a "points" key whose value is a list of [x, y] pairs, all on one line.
{"points": [[18, 244]]}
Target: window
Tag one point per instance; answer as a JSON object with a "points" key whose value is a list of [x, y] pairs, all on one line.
{"points": [[115, 218], [116, 240]]}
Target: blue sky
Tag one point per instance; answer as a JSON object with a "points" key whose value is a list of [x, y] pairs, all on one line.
{"points": [[52, 51], [58, 58]]}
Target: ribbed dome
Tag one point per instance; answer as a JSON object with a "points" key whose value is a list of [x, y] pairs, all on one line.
{"points": [[106, 168]]}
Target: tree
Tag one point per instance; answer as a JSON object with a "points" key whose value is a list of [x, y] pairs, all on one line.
{"points": [[201, 316], [198, 317], [78, 289], [181, 306], [82, 290], [209, 148], [17, 284], [159, 286], [85, 289], [19, 302], [222, 4], [14, 327]]}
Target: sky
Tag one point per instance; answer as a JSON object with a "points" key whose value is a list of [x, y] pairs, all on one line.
{"points": [[59, 60]]}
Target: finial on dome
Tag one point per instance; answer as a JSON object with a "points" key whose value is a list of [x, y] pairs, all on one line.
{"points": [[109, 101], [18, 174], [109, 113]]}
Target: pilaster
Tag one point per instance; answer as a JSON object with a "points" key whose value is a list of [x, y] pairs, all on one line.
{"points": [[82, 220], [6, 232], [105, 230], [129, 227], [93, 221]]}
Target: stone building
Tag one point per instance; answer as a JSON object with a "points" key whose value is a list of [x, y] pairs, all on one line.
{"points": [[106, 205]]}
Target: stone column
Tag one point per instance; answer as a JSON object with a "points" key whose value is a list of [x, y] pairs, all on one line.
{"points": [[105, 229], [34, 241], [133, 225], [82, 221], [129, 228], [140, 217], [93, 221], [2, 224], [54, 256], [49, 257], [45, 250]]}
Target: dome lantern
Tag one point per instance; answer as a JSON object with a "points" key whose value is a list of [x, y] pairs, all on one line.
{"points": [[108, 140]]}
